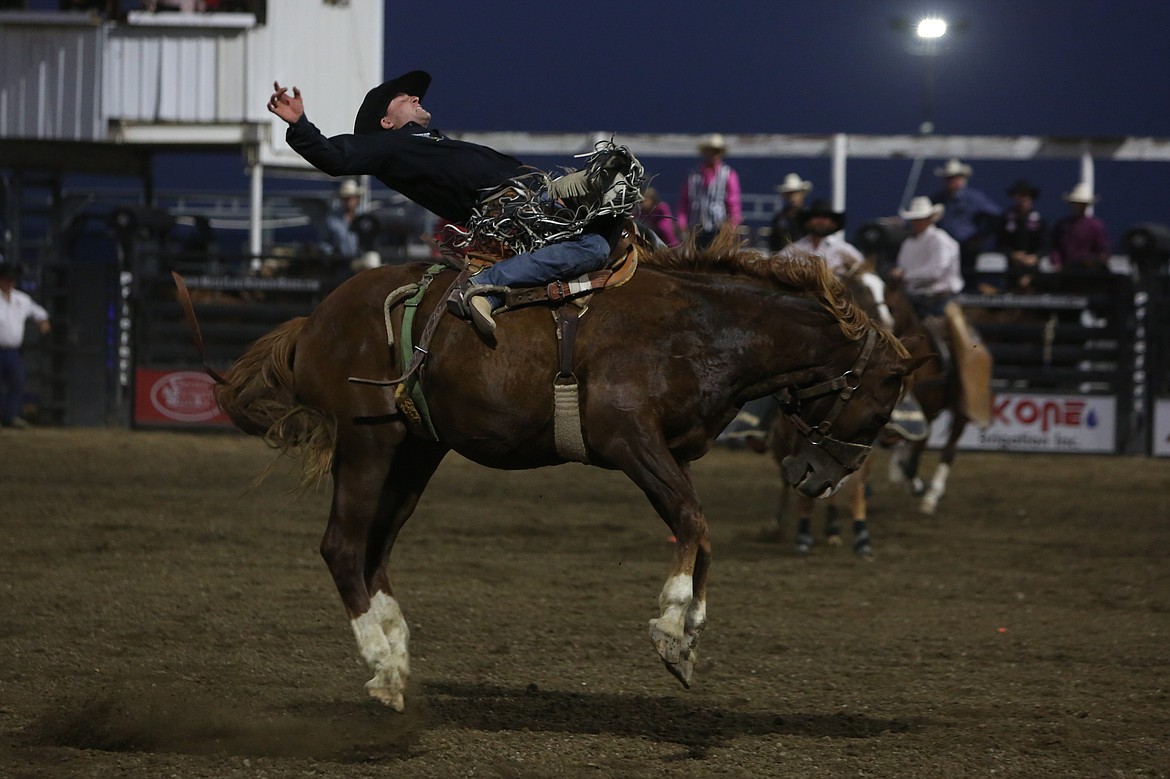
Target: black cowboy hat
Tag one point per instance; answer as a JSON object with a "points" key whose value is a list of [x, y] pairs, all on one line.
{"points": [[1023, 186], [369, 116], [822, 208], [8, 270]]}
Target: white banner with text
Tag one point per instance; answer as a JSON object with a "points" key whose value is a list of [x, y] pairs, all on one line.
{"points": [[1029, 422]]}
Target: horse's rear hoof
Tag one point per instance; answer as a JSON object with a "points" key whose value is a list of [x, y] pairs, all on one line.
{"points": [[682, 670], [804, 543], [388, 698]]}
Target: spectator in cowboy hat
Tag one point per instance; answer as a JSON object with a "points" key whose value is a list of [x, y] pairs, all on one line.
{"points": [[710, 196], [971, 217], [342, 240], [16, 307], [786, 225], [822, 227], [928, 260], [1080, 243], [1023, 237]]}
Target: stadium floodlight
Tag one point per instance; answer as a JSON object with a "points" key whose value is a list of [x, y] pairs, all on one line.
{"points": [[931, 27]]}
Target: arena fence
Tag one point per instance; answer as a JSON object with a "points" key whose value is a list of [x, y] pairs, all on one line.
{"points": [[1081, 366]]}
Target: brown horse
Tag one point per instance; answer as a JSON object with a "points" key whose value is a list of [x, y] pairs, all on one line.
{"points": [[662, 362]]}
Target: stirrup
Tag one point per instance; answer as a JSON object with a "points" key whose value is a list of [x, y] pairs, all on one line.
{"points": [[467, 303]]}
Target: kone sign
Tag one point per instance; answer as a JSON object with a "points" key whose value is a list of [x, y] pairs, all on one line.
{"points": [[1041, 423]]}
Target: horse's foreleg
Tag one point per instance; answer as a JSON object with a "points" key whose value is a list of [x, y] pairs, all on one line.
{"points": [[910, 467], [938, 482], [803, 539], [858, 506]]}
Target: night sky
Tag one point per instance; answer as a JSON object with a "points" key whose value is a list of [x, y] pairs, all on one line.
{"points": [[1025, 67]]}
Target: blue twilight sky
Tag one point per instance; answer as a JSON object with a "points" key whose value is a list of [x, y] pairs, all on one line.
{"points": [[1047, 67], [1063, 67]]}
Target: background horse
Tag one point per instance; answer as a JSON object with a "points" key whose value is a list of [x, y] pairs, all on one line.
{"points": [[782, 437], [662, 362], [938, 388]]}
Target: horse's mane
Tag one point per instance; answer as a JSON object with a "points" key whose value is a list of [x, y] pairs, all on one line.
{"points": [[797, 272]]}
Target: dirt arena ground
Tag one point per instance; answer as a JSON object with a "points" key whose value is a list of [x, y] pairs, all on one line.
{"points": [[160, 618]]}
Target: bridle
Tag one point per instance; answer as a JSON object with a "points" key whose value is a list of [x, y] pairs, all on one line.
{"points": [[849, 456]]}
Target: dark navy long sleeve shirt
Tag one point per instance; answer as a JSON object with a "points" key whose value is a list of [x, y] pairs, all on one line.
{"points": [[443, 175]]}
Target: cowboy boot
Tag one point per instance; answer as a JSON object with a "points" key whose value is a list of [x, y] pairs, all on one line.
{"points": [[465, 303]]}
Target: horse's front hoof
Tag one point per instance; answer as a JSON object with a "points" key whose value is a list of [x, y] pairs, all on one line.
{"points": [[804, 543]]}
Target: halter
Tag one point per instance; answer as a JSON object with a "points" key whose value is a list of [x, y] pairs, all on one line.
{"points": [[849, 456]]}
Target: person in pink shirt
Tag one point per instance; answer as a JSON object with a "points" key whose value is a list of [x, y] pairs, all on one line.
{"points": [[711, 194], [657, 216]]}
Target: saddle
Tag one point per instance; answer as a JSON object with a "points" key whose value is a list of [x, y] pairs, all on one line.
{"points": [[973, 361], [619, 268]]}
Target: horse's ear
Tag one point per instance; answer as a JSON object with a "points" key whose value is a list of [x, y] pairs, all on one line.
{"points": [[917, 361], [915, 343]]}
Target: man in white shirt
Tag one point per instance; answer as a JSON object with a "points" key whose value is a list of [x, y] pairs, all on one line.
{"points": [[15, 307], [928, 260], [822, 228]]}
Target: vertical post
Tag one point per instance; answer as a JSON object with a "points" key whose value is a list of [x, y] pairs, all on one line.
{"points": [[927, 126], [1088, 173], [840, 150], [256, 209]]}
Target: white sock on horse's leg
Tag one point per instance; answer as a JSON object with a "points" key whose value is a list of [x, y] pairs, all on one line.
{"points": [[938, 488], [382, 636]]}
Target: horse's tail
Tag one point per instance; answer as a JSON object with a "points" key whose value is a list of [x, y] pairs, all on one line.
{"points": [[259, 396]]}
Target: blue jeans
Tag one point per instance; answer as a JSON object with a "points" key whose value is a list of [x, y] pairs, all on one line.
{"points": [[11, 385], [563, 260]]}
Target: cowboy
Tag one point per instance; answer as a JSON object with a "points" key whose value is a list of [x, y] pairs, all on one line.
{"points": [[15, 308], [1023, 236], [710, 196], [928, 260], [1080, 243], [786, 225], [392, 140], [971, 217]]}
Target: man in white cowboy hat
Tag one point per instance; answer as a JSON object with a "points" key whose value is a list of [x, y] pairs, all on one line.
{"points": [[786, 225], [393, 141], [1080, 243], [711, 195], [928, 260], [971, 217], [339, 234]]}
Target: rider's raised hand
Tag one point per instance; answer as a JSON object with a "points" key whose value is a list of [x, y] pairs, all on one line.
{"points": [[290, 109]]}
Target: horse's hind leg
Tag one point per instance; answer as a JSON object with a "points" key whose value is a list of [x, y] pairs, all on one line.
{"points": [[376, 487], [938, 481]]}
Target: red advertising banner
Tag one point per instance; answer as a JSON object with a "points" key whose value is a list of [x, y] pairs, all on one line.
{"points": [[169, 397]]}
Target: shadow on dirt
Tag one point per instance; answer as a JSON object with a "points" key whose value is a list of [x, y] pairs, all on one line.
{"points": [[495, 708], [124, 722], [363, 731]]}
